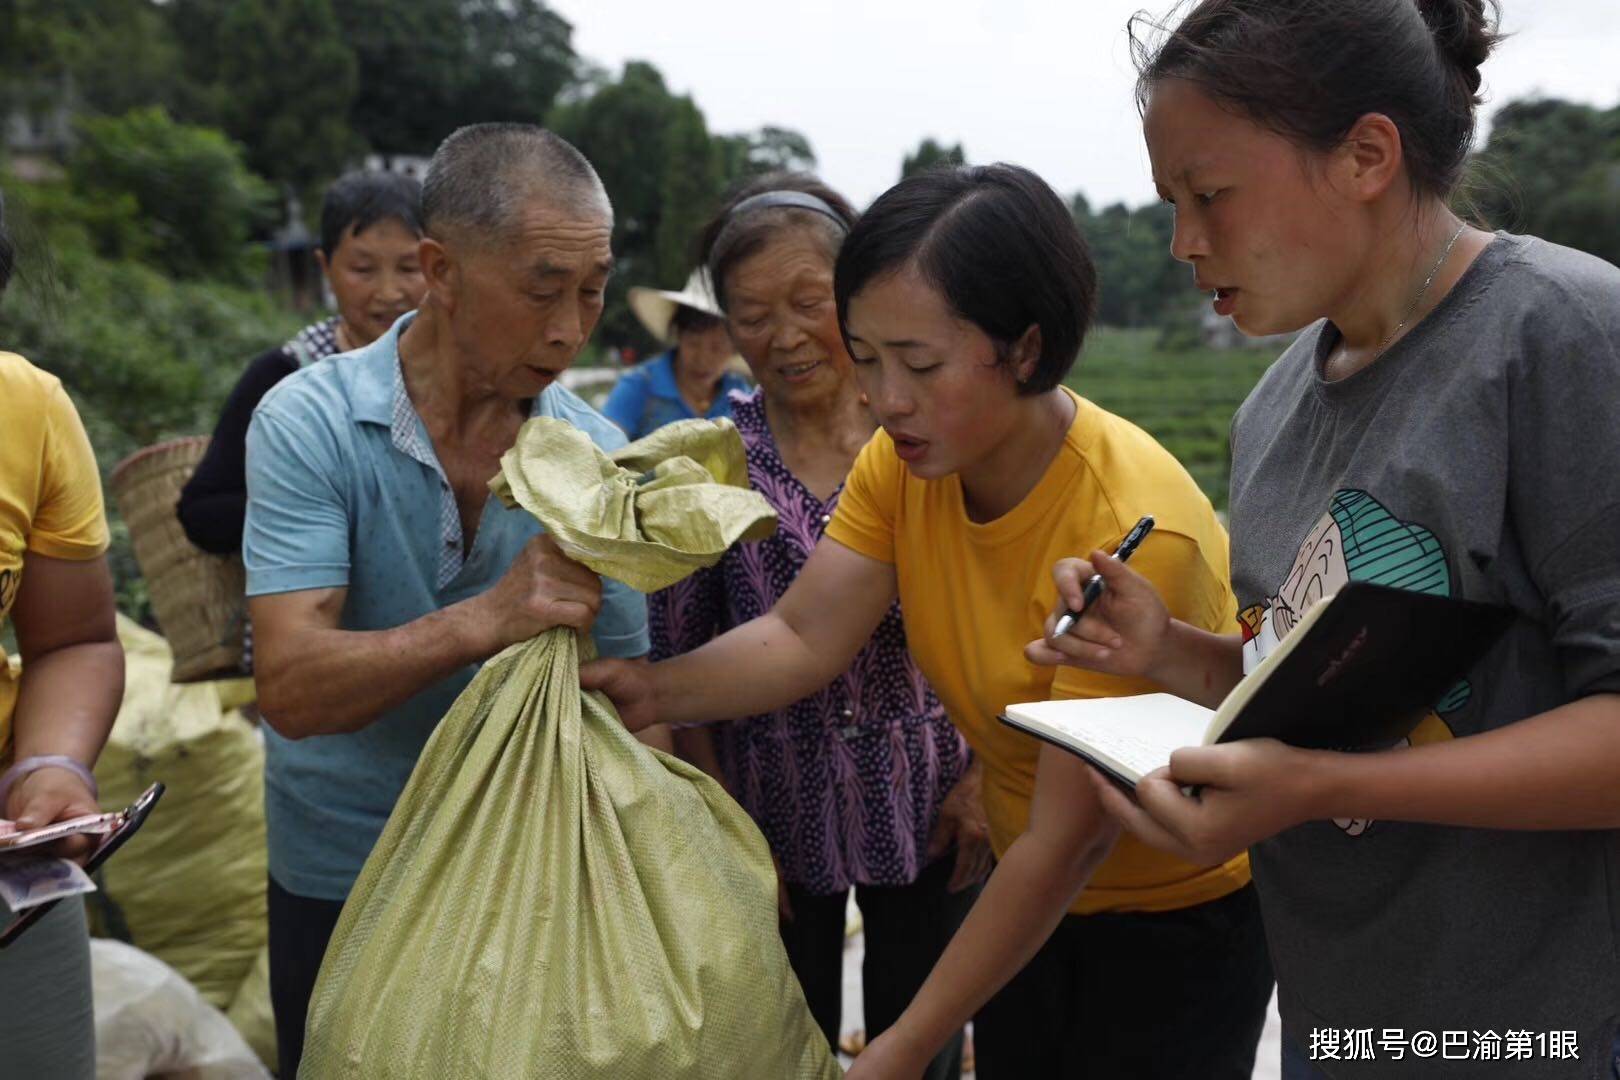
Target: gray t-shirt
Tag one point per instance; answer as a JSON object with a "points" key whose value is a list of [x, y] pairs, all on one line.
{"points": [[1479, 457]]}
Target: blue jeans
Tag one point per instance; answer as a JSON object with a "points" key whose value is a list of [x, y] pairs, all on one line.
{"points": [[1297, 1065]]}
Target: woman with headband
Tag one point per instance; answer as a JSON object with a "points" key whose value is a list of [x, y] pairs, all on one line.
{"points": [[863, 784], [964, 296]]}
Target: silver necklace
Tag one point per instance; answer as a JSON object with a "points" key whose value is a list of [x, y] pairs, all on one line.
{"points": [[1421, 293]]}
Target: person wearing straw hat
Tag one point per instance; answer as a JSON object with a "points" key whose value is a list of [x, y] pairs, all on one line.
{"points": [[55, 716], [690, 380]]}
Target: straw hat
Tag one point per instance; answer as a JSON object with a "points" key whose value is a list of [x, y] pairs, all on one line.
{"points": [[656, 307]]}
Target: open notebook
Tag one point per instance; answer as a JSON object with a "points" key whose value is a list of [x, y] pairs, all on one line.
{"points": [[1360, 669]]}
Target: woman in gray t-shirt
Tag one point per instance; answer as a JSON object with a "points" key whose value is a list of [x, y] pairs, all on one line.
{"points": [[1445, 422]]}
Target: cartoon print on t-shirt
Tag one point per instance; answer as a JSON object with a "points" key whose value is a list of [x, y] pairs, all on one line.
{"points": [[1356, 540]]}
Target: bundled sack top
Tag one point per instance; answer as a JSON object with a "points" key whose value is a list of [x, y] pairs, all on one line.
{"points": [[551, 898]]}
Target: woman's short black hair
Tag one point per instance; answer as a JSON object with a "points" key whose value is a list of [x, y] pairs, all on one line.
{"points": [[358, 200], [750, 234], [999, 246], [1309, 69], [8, 254], [690, 319]]}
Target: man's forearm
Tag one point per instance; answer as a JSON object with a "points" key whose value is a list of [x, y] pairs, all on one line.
{"points": [[329, 681]]}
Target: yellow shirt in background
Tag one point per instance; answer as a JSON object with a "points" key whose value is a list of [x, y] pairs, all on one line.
{"points": [[50, 493], [972, 595]]}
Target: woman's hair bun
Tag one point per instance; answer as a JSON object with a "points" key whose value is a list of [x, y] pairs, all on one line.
{"points": [[1466, 31]]}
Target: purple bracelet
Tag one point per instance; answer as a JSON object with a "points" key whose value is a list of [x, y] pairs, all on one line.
{"points": [[44, 761]]}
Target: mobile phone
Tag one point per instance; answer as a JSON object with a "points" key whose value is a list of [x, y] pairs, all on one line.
{"points": [[131, 820], [21, 839]]}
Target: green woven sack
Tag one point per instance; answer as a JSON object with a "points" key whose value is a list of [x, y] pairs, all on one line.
{"points": [[551, 898]]}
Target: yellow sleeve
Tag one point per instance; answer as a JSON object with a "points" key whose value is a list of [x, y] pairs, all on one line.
{"points": [[70, 522], [1192, 589], [864, 520]]}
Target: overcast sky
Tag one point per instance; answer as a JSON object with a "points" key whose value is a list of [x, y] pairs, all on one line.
{"points": [[1045, 83]]}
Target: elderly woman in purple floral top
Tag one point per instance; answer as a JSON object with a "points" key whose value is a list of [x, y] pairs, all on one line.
{"points": [[865, 784]]}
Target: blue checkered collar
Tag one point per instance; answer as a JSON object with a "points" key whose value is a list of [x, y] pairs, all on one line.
{"points": [[379, 397], [376, 378], [378, 394]]}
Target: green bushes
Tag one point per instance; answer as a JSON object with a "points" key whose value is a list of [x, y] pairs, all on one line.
{"points": [[138, 287], [195, 201], [1184, 397]]}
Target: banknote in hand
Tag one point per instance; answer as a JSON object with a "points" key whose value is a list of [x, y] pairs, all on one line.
{"points": [[30, 880]]}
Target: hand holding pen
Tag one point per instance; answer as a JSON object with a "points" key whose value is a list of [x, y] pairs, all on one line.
{"points": [[1112, 618], [1095, 586]]}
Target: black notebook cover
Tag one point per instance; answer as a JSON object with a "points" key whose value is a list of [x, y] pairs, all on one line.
{"points": [[1370, 667]]}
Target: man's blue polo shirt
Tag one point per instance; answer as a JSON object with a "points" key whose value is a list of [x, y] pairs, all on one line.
{"points": [[345, 491]]}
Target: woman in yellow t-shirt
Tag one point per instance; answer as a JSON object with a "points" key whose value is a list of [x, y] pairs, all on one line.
{"points": [[965, 295], [54, 718]]}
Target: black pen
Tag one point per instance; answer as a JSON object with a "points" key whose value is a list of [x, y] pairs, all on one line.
{"points": [[1095, 584]]}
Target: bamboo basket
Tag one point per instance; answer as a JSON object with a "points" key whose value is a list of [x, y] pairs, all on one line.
{"points": [[199, 599]]}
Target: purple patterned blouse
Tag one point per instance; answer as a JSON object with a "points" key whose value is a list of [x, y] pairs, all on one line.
{"points": [[845, 784]]}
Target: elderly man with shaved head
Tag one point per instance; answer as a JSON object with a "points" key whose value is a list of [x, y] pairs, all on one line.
{"points": [[381, 573]]}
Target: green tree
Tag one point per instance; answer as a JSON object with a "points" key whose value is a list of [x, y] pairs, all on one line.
{"points": [[408, 52], [278, 76], [520, 56], [291, 89], [35, 46], [107, 56], [770, 149], [1140, 285], [144, 355], [197, 200], [1550, 168], [930, 154], [662, 171], [1587, 215], [1537, 150], [687, 193], [429, 66]]}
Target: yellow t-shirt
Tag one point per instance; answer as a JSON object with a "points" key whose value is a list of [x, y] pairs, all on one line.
{"points": [[50, 493], [972, 595]]}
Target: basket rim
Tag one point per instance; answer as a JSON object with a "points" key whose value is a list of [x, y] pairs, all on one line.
{"points": [[151, 451]]}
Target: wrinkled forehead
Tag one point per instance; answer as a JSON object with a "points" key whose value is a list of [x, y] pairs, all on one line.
{"points": [[784, 260], [550, 241]]}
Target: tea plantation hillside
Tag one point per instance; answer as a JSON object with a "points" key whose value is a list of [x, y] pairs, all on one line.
{"points": [[1185, 398]]}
